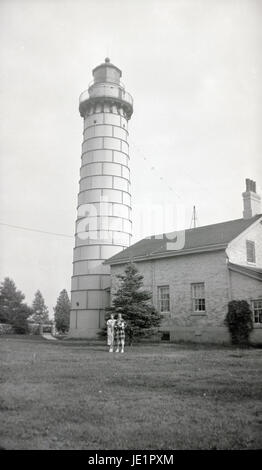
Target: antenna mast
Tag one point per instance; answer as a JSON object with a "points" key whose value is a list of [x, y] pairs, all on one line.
{"points": [[193, 223]]}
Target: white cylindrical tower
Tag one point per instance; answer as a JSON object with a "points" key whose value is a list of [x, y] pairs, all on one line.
{"points": [[103, 225]]}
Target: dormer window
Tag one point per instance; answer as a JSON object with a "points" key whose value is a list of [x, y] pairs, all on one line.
{"points": [[251, 251]]}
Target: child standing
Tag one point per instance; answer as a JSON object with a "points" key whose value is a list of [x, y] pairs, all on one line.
{"points": [[111, 332], [120, 326]]}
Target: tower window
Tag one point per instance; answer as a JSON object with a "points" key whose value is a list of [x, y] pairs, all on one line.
{"points": [[251, 252], [94, 121]]}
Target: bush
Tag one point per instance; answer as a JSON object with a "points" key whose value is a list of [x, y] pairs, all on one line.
{"points": [[239, 321], [19, 322], [6, 329], [34, 328]]}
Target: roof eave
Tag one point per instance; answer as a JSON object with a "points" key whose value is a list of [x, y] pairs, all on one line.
{"points": [[169, 254], [239, 270]]}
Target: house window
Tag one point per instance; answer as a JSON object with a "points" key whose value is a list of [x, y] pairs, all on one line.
{"points": [[257, 311], [163, 299], [251, 254], [165, 336], [198, 297]]}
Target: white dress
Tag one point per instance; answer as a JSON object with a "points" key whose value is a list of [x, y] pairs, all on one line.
{"points": [[110, 331]]}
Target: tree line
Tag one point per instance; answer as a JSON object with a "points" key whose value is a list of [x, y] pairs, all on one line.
{"points": [[131, 299], [16, 312]]}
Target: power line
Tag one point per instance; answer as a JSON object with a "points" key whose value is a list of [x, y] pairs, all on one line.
{"points": [[171, 188], [36, 230], [153, 168]]}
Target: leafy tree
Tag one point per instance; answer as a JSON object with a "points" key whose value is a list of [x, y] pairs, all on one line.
{"points": [[239, 321], [12, 308], [40, 311], [62, 312], [135, 304]]}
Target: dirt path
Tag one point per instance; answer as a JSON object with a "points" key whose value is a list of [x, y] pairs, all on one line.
{"points": [[48, 336]]}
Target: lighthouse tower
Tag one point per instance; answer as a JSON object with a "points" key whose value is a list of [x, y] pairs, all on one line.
{"points": [[103, 226]]}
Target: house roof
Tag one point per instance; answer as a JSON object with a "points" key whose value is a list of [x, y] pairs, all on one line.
{"points": [[251, 271], [207, 238]]}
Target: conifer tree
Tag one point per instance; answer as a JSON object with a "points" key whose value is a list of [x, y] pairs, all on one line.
{"points": [[135, 304], [12, 308], [62, 312], [40, 310]]}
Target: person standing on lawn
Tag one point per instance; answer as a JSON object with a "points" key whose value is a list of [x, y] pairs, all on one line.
{"points": [[120, 326], [111, 332]]}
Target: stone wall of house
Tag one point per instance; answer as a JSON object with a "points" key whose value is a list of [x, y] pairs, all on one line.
{"points": [[179, 273], [236, 250], [244, 287]]}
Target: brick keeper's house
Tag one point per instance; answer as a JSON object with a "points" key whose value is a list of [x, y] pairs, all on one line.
{"points": [[192, 286]]}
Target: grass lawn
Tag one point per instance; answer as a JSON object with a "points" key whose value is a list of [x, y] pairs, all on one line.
{"points": [[73, 395]]}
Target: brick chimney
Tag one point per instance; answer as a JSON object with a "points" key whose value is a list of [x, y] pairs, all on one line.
{"points": [[251, 200]]}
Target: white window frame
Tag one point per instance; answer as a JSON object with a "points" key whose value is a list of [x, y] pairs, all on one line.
{"points": [[198, 299], [255, 309], [250, 245], [161, 301]]}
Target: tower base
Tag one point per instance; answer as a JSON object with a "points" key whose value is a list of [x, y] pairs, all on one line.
{"points": [[86, 323]]}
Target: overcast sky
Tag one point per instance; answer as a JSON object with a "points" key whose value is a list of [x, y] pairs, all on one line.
{"points": [[194, 68]]}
